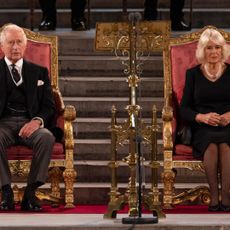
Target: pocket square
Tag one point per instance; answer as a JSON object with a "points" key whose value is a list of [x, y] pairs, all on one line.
{"points": [[40, 82]]}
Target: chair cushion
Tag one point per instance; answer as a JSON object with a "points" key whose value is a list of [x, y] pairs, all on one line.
{"points": [[20, 152], [183, 152]]}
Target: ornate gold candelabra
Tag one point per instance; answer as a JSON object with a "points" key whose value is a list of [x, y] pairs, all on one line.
{"points": [[133, 42]]}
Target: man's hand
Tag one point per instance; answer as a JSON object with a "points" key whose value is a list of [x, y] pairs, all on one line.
{"points": [[29, 128], [225, 119], [212, 119]]}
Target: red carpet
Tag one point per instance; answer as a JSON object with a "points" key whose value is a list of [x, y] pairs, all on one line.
{"points": [[101, 209]]}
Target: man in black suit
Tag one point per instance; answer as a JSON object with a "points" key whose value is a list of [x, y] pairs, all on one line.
{"points": [[176, 13], [26, 111], [48, 8]]}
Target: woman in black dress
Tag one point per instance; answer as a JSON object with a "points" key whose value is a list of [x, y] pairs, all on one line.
{"points": [[205, 106]]}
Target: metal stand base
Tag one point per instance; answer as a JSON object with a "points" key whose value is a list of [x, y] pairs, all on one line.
{"points": [[140, 220]]}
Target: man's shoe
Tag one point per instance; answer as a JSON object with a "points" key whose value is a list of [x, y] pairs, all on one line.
{"points": [[78, 25], [180, 26], [30, 204], [7, 203], [47, 25]]}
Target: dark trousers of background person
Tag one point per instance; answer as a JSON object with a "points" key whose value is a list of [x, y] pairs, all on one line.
{"points": [[176, 12], [49, 10]]}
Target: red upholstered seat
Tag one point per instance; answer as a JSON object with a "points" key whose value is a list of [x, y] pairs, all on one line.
{"points": [[21, 152]]}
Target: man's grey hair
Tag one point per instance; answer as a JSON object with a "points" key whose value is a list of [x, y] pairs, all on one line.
{"points": [[11, 27]]}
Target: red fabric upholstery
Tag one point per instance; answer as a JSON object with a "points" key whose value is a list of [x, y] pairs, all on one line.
{"points": [[20, 152], [38, 53], [182, 57]]}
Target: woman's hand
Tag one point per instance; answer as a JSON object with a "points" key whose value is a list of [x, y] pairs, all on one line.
{"points": [[212, 119], [225, 119]]}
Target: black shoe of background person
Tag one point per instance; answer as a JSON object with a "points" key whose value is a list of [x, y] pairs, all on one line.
{"points": [[214, 208], [7, 202], [47, 25], [180, 26], [78, 25], [225, 208], [29, 203]]}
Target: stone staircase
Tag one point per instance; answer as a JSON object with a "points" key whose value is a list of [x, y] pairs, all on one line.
{"points": [[94, 81]]}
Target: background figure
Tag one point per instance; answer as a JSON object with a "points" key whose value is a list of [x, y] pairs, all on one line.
{"points": [[49, 11], [205, 106], [26, 112], [176, 13]]}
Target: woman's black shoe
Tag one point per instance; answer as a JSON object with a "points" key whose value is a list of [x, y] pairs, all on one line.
{"points": [[214, 208], [225, 208]]}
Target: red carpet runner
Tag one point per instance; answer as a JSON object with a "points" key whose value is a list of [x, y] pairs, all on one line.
{"points": [[101, 209]]}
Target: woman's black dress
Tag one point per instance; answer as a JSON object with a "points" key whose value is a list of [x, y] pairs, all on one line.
{"points": [[204, 96]]}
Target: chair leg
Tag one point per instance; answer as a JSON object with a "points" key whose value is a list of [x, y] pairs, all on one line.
{"points": [[69, 176], [55, 175], [168, 178]]}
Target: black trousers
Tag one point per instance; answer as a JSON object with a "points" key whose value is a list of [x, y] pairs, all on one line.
{"points": [[176, 7], [49, 10], [41, 141]]}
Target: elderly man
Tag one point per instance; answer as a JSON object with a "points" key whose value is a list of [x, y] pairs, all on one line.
{"points": [[26, 111]]}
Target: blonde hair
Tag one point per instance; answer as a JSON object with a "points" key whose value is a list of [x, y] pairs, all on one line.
{"points": [[11, 27], [216, 37]]}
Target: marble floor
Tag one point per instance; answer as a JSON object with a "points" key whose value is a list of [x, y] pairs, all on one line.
{"points": [[96, 221]]}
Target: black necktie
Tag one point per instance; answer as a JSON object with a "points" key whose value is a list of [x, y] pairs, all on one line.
{"points": [[15, 74]]}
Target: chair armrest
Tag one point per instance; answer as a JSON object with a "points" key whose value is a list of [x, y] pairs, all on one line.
{"points": [[69, 117], [58, 101], [167, 117]]}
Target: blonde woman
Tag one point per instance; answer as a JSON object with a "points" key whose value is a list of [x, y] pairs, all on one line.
{"points": [[205, 106]]}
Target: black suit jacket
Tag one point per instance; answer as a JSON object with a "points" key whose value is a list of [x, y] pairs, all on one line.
{"points": [[39, 94]]}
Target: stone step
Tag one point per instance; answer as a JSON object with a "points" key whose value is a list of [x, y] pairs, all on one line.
{"points": [[80, 43], [104, 66], [109, 86], [101, 106], [99, 128], [94, 149], [98, 171]]}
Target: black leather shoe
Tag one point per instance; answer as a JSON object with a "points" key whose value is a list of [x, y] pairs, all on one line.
{"points": [[225, 208], [78, 25], [47, 25], [214, 208], [30, 205], [180, 26], [7, 203]]}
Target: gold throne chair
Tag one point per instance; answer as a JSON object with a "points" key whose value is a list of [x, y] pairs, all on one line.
{"points": [[177, 58], [43, 50]]}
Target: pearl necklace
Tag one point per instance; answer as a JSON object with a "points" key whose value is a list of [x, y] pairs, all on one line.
{"points": [[215, 76]]}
